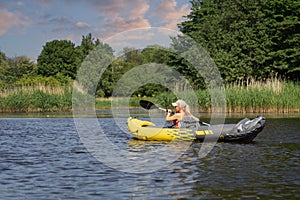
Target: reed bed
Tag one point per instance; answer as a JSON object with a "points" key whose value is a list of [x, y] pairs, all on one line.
{"points": [[271, 96], [263, 97], [37, 98]]}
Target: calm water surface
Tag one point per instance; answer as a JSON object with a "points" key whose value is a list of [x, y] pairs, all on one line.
{"points": [[43, 158]]}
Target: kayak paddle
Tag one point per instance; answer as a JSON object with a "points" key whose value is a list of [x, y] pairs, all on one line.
{"points": [[149, 106]]}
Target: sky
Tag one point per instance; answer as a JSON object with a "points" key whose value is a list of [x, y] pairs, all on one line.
{"points": [[26, 26]]}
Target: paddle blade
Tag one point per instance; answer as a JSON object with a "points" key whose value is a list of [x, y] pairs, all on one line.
{"points": [[147, 104]]}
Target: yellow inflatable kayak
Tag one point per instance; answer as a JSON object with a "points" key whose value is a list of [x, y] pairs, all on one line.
{"points": [[244, 131]]}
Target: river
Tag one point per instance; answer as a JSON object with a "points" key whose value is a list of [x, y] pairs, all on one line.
{"points": [[44, 158]]}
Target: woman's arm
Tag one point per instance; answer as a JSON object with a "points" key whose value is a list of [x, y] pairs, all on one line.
{"points": [[170, 118]]}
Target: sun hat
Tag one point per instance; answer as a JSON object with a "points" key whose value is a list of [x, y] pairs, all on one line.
{"points": [[180, 103]]}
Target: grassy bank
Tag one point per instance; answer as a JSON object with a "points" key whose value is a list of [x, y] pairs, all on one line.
{"points": [[272, 96]]}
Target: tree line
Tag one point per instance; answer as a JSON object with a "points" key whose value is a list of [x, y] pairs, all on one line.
{"points": [[246, 38], [254, 38]]}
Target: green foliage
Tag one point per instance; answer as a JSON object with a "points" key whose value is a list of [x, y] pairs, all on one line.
{"points": [[4, 71], [272, 95], [62, 58], [41, 80], [37, 99], [109, 78], [13, 69], [94, 66], [253, 38], [204, 100], [260, 97], [165, 99], [133, 56], [283, 23], [103, 103], [59, 56], [155, 54], [2, 57], [193, 62], [88, 43]]}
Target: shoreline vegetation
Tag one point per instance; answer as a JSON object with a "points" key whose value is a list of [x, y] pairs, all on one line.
{"points": [[271, 96]]}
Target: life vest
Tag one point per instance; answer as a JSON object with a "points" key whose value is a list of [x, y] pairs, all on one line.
{"points": [[176, 123]]}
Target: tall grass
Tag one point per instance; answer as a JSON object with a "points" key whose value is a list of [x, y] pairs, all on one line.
{"points": [[39, 98], [273, 95]]}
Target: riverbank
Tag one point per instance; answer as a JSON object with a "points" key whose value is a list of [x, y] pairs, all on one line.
{"points": [[272, 96], [138, 112]]}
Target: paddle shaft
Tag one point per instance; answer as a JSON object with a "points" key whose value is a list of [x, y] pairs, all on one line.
{"points": [[166, 110], [150, 106]]}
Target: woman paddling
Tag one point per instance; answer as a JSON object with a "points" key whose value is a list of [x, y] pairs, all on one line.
{"points": [[182, 110]]}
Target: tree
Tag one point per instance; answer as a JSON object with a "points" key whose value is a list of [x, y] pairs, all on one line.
{"points": [[2, 57], [3, 69], [13, 69], [93, 67], [284, 27], [59, 56], [21, 66], [133, 56], [88, 43], [155, 53], [247, 38]]}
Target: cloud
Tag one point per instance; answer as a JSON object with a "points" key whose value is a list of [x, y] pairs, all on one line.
{"points": [[170, 14], [139, 10], [122, 15], [60, 20], [139, 38], [19, 3], [47, 19], [61, 24], [131, 38], [121, 24], [43, 2], [82, 25], [10, 19], [109, 9]]}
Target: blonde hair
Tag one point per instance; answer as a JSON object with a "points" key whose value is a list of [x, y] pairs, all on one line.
{"points": [[185, 107]]}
